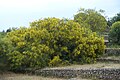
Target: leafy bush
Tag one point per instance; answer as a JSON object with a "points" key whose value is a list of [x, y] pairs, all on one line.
{"points": [[51, 42], [114, 34], [27, 49], [3, 52]]}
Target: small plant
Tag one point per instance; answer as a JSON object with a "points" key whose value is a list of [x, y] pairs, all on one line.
{"points": [[56, 61]]}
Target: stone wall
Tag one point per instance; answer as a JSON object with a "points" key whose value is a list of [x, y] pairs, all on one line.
{"points": [[104, 74], [112, 51], [108, 60]]}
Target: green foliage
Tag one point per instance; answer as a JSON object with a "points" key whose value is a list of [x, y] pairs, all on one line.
{"points": [[56, 61], [114, 34], [3, 46], [114, 19], [2, 34], [11, 29], [91, 19], [51, 42], [3, 52], [27, 49]]}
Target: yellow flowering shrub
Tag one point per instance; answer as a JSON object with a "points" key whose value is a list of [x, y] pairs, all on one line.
{"points": [[51, 42]]}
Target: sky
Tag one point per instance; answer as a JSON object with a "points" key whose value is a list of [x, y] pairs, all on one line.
{"points": [[18, 13]]}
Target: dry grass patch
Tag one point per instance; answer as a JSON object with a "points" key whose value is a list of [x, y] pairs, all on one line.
{"points": [[91, 66], [13, 76]]}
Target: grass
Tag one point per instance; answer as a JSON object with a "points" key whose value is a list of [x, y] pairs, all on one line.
{"points": [[25, 77], [13, 76], [92, 66]]}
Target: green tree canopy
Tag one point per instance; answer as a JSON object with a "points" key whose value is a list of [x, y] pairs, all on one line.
{"points": [[114, 19], [2, 34], [91, 19]]}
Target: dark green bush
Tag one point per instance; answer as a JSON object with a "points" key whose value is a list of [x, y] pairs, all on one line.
{"points": [[114, 34]]}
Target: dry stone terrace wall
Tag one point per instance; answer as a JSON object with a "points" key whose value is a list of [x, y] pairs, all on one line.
{"points": [[112, 51], [104, 74], [108, 60]]}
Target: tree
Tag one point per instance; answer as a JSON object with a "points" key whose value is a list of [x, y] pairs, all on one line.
{"points": [[114, 34], [114, 19], [3, 50], [9, 30], [91, 19], [2, 45], [2, 34]]}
